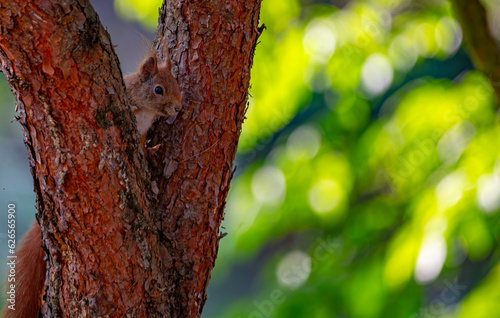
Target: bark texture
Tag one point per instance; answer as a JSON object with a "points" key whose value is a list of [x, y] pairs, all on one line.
{"points": [[124, 237]]}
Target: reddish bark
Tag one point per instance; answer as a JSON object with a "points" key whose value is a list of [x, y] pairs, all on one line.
{"points": [[125, 238]]}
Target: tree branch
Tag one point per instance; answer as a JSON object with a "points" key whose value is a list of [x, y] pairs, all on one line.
{"points": [[212, 46], [480, 43], [92, 188]]}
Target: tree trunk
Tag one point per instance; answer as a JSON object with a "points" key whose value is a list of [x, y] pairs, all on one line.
{"points": [[126, 237]]}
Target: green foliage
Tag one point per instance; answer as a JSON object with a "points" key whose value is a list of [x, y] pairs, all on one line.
{"points": [[369, 171], [143, 11]]}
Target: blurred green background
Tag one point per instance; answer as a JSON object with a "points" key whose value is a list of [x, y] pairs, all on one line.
{"points": [[368, 171]]}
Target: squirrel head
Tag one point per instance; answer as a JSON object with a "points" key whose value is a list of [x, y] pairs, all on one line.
{"points": [[154, 88]]}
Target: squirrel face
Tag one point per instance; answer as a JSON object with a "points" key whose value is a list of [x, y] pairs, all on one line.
{"points": [[154, 88], [153, 92]]}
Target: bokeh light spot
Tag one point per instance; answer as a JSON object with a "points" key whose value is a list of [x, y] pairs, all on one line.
{"points": [[454, 142], [403, 52], [448, 35], [320, 39], [304, 142], [268, 184], [488, 193], [294, 269], [430, 258], [450, 190], [376, 74], [324, 196]]}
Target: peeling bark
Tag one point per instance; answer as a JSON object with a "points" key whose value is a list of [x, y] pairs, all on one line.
{"points": [[124, 237]]}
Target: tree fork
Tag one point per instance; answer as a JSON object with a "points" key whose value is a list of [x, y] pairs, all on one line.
{"points": [[125, 238]]}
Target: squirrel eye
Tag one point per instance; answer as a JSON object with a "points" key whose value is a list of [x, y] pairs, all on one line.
{"points": [[159, 90]]}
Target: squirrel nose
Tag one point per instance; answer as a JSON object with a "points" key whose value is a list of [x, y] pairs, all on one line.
{"points": [[177, 107]]}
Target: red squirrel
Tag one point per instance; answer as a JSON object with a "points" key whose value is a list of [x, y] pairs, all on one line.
{"points": [[152, 92]]}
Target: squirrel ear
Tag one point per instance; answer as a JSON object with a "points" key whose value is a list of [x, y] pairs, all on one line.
{"points": [[167, 64], [148, 68]]}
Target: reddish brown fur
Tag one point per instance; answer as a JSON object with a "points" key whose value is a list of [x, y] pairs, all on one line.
{"points": [[30, 276], [143, 97], [141, 88]]}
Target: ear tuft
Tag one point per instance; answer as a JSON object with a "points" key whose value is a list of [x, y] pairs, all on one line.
{"points": [[167, 64], [148, 68]]}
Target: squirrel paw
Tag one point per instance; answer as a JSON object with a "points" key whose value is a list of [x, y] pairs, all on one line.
{"points": [[152, 154]]}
